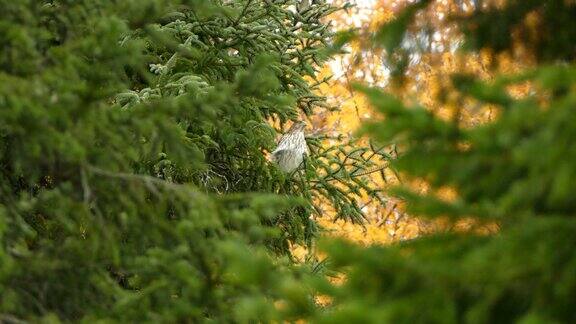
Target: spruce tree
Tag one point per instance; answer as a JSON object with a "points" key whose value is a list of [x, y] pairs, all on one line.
{"points": [[134, 183]]}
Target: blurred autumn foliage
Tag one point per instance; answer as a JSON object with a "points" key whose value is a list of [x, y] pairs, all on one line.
{"points": [[479, 100], [424, 78], [385, 222]]}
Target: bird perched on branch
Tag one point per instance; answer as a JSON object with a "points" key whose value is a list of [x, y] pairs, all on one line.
{"points": [[292, 148]]}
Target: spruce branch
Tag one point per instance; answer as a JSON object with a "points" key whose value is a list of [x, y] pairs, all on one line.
{"points": [[152, 183]]}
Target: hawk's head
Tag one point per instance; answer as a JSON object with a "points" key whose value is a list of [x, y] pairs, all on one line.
{"points": [[297, 127]]}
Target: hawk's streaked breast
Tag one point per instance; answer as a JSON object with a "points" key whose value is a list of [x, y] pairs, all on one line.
{"points": [[291, 148]]}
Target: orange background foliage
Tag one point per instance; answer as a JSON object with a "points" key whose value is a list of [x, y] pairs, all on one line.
{"points": [[426, 81]]}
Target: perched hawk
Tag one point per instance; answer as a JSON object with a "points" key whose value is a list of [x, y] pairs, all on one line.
{"points": [[291, 148]]}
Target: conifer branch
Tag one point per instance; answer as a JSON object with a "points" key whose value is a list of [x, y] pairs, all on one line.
{"points": [[10, 319], [150, 182]]}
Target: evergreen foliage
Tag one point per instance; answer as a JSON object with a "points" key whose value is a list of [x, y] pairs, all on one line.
{"points": [[133, 177]]}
